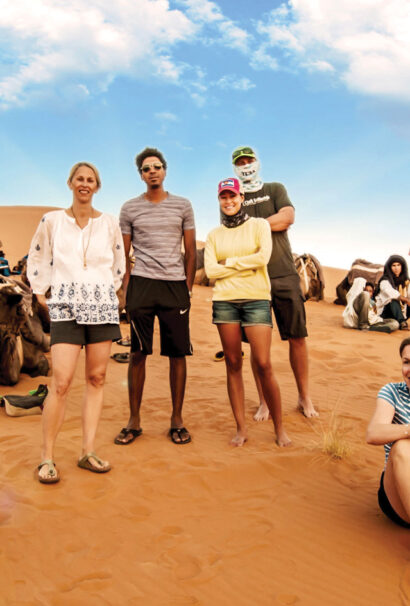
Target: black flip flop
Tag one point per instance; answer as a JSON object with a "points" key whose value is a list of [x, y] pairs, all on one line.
{"points": [[124, 433], [178, 431], [219, 356], [121, 357]]}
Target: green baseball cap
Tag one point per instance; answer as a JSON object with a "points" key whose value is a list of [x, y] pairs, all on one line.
{"points": [[239, 152]]}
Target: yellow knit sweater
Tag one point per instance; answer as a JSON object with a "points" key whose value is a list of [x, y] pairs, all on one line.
{"points": [[246, 250]]}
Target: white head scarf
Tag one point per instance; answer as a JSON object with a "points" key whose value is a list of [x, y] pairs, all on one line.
{"points": [[248, 174]]}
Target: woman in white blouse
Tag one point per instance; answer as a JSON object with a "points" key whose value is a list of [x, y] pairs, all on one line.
{"points": [[78, 253]]}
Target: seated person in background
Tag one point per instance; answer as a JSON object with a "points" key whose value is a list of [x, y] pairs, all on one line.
{"points": [[393, 292], [21, 266], [360, 311], [4, 265], [390, 426]]}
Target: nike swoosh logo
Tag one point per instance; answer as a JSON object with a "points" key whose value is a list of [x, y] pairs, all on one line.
{"points": [[183, 311]]}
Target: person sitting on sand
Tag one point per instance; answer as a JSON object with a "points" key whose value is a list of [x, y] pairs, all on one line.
{"points": [[236, 255], [360, 309], [4, 265], [390, 425], [79, 252], [393, 292]]}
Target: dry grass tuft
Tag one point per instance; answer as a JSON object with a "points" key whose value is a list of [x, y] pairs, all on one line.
{"points": [[334, 440]]}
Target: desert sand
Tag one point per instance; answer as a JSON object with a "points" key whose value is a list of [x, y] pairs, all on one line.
{"points": [[206, 524]]}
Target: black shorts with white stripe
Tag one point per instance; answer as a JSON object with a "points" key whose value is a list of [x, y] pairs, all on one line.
{"points": [[169, 301]]}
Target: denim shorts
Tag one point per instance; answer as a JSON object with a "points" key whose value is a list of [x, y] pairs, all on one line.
{"points": [[245, 313]]}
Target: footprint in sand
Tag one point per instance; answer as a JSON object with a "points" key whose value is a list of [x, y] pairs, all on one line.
{"points": [[405, 584], [287, 599], [187, 569], [13, 438], [96, 582], [321, 355], [185, 566], [173, 530]]}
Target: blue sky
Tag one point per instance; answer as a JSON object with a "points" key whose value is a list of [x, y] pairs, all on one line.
{"points": [[321, 89]]}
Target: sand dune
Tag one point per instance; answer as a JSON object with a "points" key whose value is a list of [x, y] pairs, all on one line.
{"points": [[17, 226], [206, 524]]}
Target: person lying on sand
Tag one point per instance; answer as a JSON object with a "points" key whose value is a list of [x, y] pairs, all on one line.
{"points": [[236, 255], [390, 425], [79, 252]]}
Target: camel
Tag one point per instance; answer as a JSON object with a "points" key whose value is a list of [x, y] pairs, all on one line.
{"points": [[22, 338], [200, 275]]}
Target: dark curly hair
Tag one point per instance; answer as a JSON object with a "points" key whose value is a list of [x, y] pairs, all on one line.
{"points": [[147, 153]]}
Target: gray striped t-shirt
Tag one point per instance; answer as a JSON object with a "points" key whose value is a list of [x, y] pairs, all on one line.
{"points": [[156, 232], [398, 395]]}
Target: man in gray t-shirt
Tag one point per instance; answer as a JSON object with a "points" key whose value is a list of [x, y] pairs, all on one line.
{"points": [[159, 284]]}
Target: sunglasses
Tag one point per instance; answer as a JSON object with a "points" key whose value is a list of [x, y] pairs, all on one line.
{"points": [[147, 167], [244, 151]]}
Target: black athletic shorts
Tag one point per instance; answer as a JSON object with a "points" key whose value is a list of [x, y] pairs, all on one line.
{"points": [[69, 331], [387, 509], [288, 307], [169, 301]]}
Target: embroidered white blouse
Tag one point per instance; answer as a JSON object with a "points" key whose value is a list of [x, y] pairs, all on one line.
{"points": [[56, 260]]}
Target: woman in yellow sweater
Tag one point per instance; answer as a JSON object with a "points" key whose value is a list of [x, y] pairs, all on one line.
{"points": [[236, 254]]}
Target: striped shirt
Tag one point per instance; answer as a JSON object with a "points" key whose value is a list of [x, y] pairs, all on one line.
{"points": [[156, 231], [398, 395]]}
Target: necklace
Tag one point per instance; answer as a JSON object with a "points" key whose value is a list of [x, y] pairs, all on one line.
{"points": [[89, 236]]}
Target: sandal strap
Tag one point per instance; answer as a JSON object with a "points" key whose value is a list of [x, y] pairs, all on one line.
{"points": [[51, 466], [92, 455]]}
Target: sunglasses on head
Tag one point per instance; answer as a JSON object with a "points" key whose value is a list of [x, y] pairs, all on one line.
{"points": [[147, 167], [244, 151]]}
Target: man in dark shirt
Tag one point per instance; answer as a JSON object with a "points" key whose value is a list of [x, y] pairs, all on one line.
{"points": [[271, 201]]}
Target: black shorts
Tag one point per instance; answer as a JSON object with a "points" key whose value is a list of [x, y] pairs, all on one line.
{"points": [[387, 509], [169, 301], [69, 331], [288, 306]]}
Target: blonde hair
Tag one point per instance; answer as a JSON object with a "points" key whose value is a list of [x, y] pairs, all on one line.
{"points": [[89, 165]]}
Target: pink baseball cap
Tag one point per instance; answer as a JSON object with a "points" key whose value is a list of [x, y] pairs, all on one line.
{"points": [[230, 184]]}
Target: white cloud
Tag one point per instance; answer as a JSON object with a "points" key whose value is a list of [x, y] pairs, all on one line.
{"points": [[46, 44], [203, 10], [365, 43], [97, 40], [209, 13], [234, 83], [166, 116]]}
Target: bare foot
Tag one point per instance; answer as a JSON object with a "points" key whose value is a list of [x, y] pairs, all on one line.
{"points": [[282, 439], [306, 408], [240, 439], [262, 414]]}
